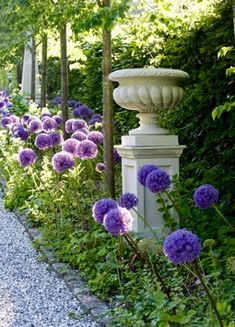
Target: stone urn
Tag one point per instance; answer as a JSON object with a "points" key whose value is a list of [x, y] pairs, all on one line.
{"points": [[148, 91]]}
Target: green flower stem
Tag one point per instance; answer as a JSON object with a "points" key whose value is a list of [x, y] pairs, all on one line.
{"points": [[146, 222], [195, 265], [173, 202], [117, 268], [169, 218], [222, 216]]}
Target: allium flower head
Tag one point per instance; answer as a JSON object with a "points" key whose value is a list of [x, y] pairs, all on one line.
{"points": [[35, 126], [25, 118], [15, 128], [6, 121], [79, 135], [158, 180], [116, 157], [143, 173], [58, 119], [182, 246], [101, 207], [78, 124], [26, 157], [96, 119], [69, 125], [46, 114], [62, 161], [87, 150], [128, 200], [31, 118], [118, 221], [205, 196], [23, 134], [2, 104], [15, 119], [96, 137], [72, 103], [57, 138], [83, 111], [70, 145], [100, 167], [49, 124], [43, 141]]}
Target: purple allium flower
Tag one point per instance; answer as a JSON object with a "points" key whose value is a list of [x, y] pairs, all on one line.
{"points": [[70, 145], [69, 125], [87, 150], [182, 246], [23, 134], [158, 180], [57, 138], [78, 104], [100, 167], [96, 137], [116, 157], [84, 130], [6, 121], [49, 125], [62, 161], [79, 135], [128, 200], [118, 221], [43, 141], [72, 103], [26, 157], [58, 119], [97, 118], [15, 129], [101, 207], [2, 104], [56, 100], [15, 119], [31, 118], [25, 118], [35, 126], [83, 111], [205, 196], [9, 104], [46, 114], [78, 124], [143, 173]]}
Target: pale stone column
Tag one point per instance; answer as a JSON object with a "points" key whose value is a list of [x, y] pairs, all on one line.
{"points": [[26, 75], [148, 91]]}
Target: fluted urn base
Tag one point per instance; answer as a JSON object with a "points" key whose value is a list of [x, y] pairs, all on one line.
{"points": [[148, 125]]}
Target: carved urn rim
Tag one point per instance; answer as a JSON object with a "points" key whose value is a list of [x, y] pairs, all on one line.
{"points": [[147, 72]]}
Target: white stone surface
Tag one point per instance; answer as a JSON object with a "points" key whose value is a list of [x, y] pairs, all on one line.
{"points": [[26, 74]]}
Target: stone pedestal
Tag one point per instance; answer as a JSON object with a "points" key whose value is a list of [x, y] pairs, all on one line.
{"points": [[26, 75], [136, 151], [148, 91]]}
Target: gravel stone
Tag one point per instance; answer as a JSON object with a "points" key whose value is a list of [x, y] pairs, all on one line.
{"points": [[30, 294]]}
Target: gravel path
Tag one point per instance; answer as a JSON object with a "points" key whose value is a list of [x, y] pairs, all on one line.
{"points": [[30, 295]]}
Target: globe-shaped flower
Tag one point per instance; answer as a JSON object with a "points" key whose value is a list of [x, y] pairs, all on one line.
{"points": [[49, 124], [143, 173], [118, 221], [35, 126], [79, 135], [182, 246], [87, 150], [58, 119], [205, 196], [2, 104], [62, 161], [100, 167], [78, 124], [43, 141], [15, 128], [96, 137], [57, 138], [83, 111], [6, 121], [70, 145], [15, 119], [69, 125], [23, 134], [25, 118], [96, 119], [26, 157], [72, 103], [101, 207], [158, 180], [46, 114], [128, 200]]}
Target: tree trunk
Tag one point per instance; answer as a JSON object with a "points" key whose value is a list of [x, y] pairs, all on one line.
{"points": [[33, 69], [234, 17], [107, 107], [64, 77], [44, 71]]}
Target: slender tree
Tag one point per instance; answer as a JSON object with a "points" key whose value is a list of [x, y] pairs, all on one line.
{"points": [[44, 71], [33, 68]]}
